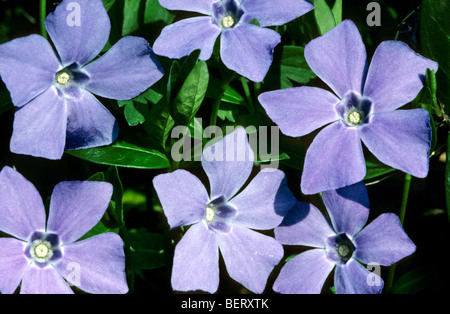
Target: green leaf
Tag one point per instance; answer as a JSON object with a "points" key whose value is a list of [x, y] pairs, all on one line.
{"points": [[230, 94], [337, 11], [324, 16], [108, 4], [133, 115], [147, 249], [154, 12], [191, 95], [293, 67], [160, 123], [122, 154], [435, 43], [412, 282], [130, 16], [447, 177], [5, 102], [376, 169]]}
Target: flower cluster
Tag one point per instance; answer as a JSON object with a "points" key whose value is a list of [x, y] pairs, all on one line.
{"points": [[241, 216]]}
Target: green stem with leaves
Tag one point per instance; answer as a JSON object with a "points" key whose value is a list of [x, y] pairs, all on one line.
{"points": [[42, 16], [218, 100], [401, 215]]}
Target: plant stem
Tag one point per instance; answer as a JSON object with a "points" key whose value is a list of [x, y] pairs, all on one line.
{"points": [[42, 16], [251, 105], [401, 215]]}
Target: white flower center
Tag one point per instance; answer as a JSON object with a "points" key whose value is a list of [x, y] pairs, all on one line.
{"points": [[354, 118], [62, 77], [209, 213], [228, 21], [41, 251], [344, 251]]}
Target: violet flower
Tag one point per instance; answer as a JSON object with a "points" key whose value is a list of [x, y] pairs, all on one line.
{"points": [[363, 108], [244, 48], [344, 244], [40, 254], [54, 96], [222, 220]]}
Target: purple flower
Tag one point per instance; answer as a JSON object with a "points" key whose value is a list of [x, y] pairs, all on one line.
{"points": [[54, 96], [244, 48], [363, 108], [343, 244], [41, 254], [223, 219]]}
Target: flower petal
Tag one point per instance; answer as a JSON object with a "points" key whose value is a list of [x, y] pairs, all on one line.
{"points": [[95, 265], [339, 58], [22, 211], [348, 208], [304, 225], [200, 6], [89, 123], [271, 13], [400, 139], [76, 207], [13, 264], [46, 280], [248, 50], [128, 69], [264, 202], [395, 75], [353, 278], [249, 256], [27, 66], [183, 37], [304, 274], [196, 261], [40, 127], [300, 110], [188, 205], [333, 160], [228, 164], [383, 241], [79, 29]]}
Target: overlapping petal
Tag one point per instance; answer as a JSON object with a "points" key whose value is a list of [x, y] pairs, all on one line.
{"points": [[304, 274], [248, 50], [305, 225], [264, 202], [79, 29], [196, 261], [228, 164], [300, 110], [76, 207], [249, 256], [271, 13], [39, 128], [189, 205], [27, 66], [395, 76], [13, 264], [400, 139], [95, 265], [339, 58], [338, 148], [89, 123], [383, 241], [22, 211], [200, 6], [181, 38], [353, 278], [348, 208], [43, 281], [125, 71]]}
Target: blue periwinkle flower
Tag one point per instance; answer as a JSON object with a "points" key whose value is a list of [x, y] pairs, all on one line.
{"points": [[54, 96], [342, 244], [362, 108], [244, 48]]}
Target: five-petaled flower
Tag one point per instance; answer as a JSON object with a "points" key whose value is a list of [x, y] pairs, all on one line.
{"points": [[363, 109], [342, 244], [223, 220], [244, 48], [56, 106], [40, 254]]}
